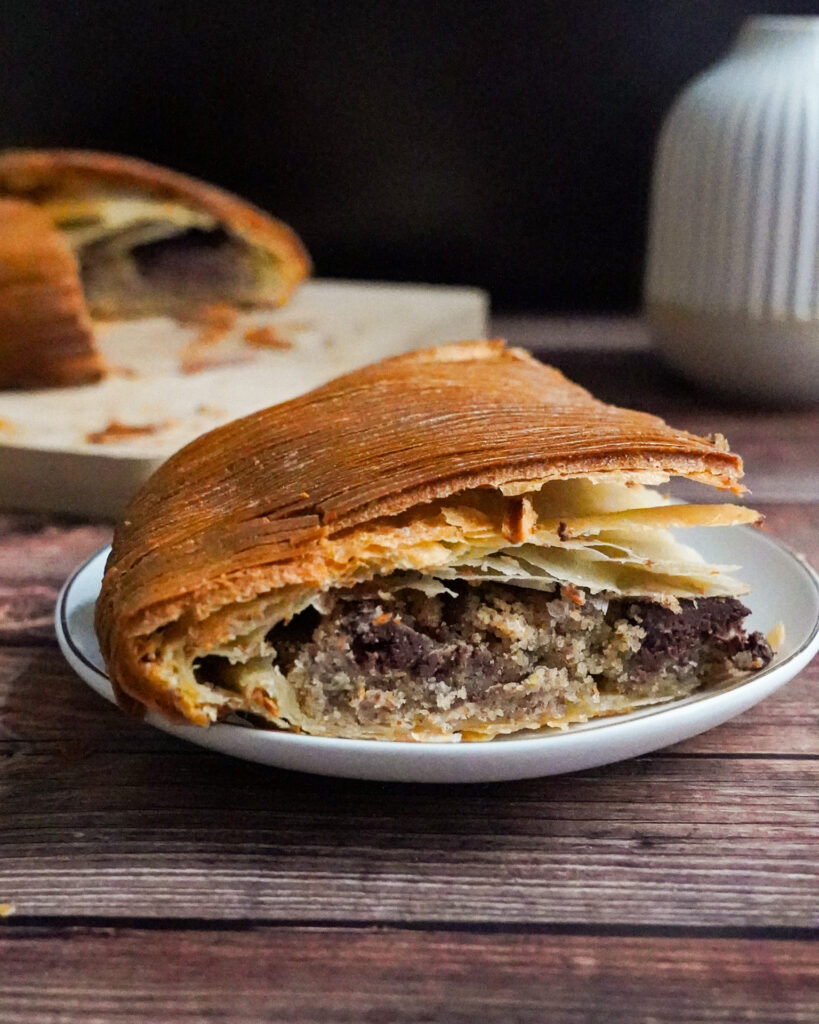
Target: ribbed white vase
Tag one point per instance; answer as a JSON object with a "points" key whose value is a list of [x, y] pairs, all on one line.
{"points": [[732, 280]]}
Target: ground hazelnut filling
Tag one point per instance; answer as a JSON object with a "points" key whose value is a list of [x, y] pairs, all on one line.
{"points": [[472, 655], [136, 277]]}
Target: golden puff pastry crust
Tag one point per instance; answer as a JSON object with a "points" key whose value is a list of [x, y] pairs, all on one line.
{"points": [[378, 470], [143, 240], [45, 331]]}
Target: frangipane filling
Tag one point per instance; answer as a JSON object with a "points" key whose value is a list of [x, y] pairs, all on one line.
{"points": [[467, 635], [149, 277], [142, 258], [386, 656]]}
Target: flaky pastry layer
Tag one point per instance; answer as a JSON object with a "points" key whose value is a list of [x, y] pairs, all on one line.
{"points": [[45, 331]]}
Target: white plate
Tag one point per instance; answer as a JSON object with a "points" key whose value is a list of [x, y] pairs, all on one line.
{"points": [[785, 590]]}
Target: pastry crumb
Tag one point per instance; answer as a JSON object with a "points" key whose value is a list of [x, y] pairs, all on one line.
{"points": [[125, 372], [259, 696], [7, 909], [191, 363], [570, 592], [520, 519], [214, 322], [266, 337], [776, 637], [115, 431]]}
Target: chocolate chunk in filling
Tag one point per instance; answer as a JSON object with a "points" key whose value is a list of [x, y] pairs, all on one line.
{"points": [[677, 638], [396, 657]]}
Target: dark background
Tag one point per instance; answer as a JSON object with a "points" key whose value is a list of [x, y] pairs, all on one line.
{"points": [[506, 144]]}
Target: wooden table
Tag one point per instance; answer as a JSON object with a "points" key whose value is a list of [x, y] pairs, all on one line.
{"points": [[148, 880]]}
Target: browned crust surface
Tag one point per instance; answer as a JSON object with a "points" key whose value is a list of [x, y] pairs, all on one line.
{"points": [[45, 333], [43, 174], [257, 503]]}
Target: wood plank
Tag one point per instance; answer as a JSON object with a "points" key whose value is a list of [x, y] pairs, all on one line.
{"points": [[36, 556], [180, 833], [347, 976], [797, 525], [42, 701], [42, 549]]}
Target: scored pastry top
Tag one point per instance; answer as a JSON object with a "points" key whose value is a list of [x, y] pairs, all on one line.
{"points": [[265, 501]]}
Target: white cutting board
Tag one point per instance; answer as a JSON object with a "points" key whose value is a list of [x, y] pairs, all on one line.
{"points": [[50, 459]]}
